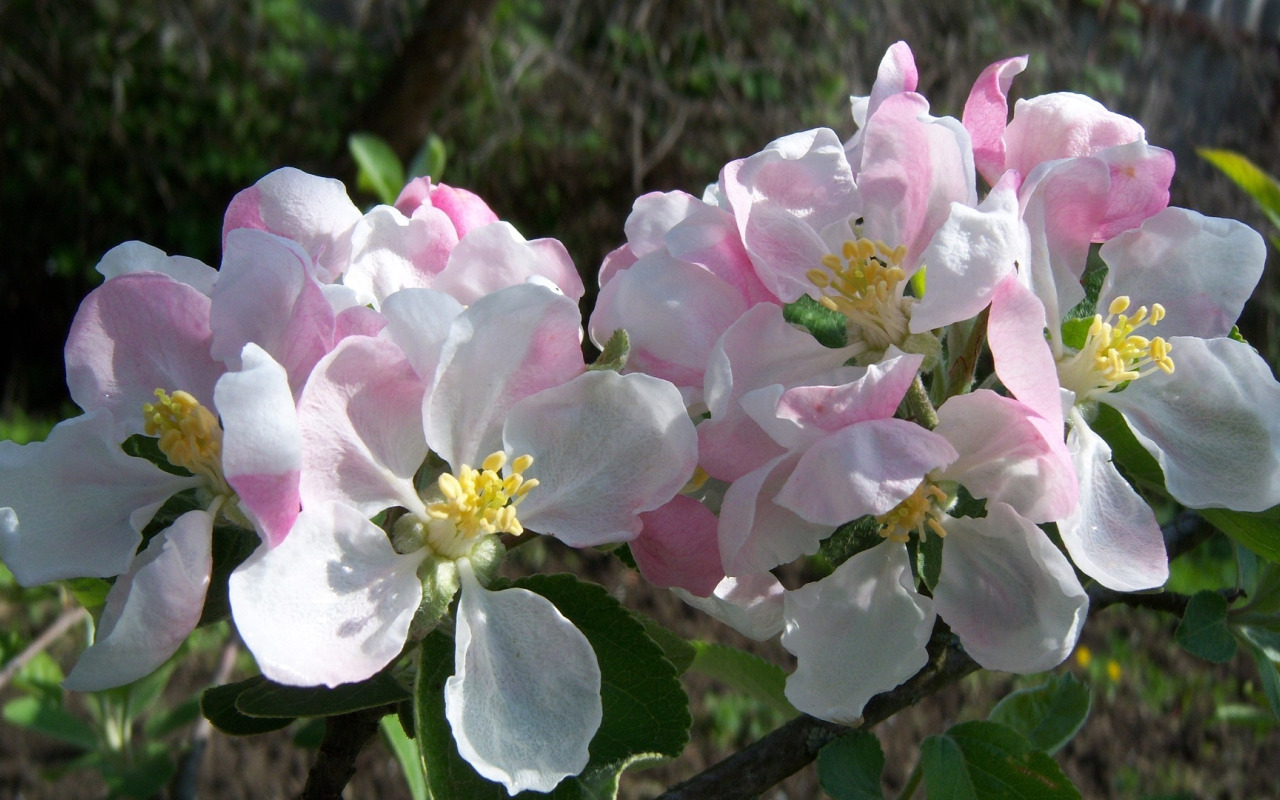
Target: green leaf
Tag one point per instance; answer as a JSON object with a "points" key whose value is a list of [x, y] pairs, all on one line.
{"points": [[827, 326], [229, 549], [1047, 716], [268, 699], [990, 761], [613, 356], [946, 774], [47, 717], [380, 170], [1203, 631], [1257, 530], [430, 159], [1127, 453], [677, 650], [646, 713], [169, 720], [1270, 678], [89, 592], [849, 768], [1075, 332], [143, 778], [448, 776], [406, 753], [745, 673], [219, 707], [928, 555], [1248, 176]]}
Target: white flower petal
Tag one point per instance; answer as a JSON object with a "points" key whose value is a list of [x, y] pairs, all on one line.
{"points": [[751, 604], [1213, 424], [331, 604], [77, 503], [1008, 593], [524, 702], [605, 447], [1112, 535], [860, 631], [151, 609]]}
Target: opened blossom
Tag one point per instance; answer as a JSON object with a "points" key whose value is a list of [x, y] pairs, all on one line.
{"points": [[1005, 590], [476, 422], [166, 352]]}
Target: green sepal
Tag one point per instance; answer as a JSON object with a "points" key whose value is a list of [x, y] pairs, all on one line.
{"points": [[1075, 332], [614, 354], [924, 344], [988, 761], [89, 592], [928, 559], [850, 539], [148, 448], [1203, 631], [1047, 716], [850, 767], [827, 326]]}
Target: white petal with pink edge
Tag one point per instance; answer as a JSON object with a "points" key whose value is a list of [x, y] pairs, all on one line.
{"points": [[1008, 593], [262, 442]]}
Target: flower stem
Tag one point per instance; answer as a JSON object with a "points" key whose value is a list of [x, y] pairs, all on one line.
{"points": [[918, 404], [913, 782]]}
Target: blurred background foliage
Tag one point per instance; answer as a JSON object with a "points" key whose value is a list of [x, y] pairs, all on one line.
{"points": [[140, 120]]}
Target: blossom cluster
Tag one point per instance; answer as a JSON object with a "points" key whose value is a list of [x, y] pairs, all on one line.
{"points": [[419, 364], [894, 425], [385, 398]]}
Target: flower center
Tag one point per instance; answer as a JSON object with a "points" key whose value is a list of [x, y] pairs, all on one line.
{"points": [[476, 503], [864, 282], [1113, 353], [921, 512], [189, 435]]}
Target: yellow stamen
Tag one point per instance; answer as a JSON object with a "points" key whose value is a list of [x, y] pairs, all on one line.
{"points": [[188, 433], [864, 282], [1114, 353], [921, 512], [480, 502]]}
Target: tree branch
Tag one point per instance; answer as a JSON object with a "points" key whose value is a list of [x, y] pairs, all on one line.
{"points": [[345, 735], [794, 745]]}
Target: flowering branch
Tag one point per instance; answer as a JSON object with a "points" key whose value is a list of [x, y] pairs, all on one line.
{"points": [[345, 735], [794, 745]]}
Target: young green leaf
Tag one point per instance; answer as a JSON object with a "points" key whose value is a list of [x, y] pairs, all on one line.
{"points": [[267, 699], [1263, 188], [1047, 716], [1270, 677], [380, 170], [1257, 530], [45, 716], [751, 675], [1203, 631], [849, 768], [406, 753], [990, 761], [219, 707]]}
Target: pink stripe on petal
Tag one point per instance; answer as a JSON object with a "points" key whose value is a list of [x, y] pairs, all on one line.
{"points": [[272, 500]]}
